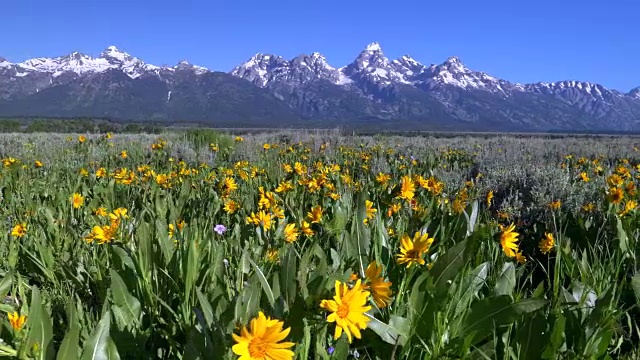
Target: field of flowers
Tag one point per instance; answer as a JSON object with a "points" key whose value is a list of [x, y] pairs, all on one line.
{"points": [[318, 246]]}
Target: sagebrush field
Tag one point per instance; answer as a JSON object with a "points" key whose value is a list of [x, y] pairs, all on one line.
{"points": [[305, 245]]}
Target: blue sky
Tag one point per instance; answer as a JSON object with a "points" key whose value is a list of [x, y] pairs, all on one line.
{"points": [[523, 41]]}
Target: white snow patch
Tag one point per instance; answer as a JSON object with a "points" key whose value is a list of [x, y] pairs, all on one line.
{"points": [[342, 78], [374, 46], [381, 72]]}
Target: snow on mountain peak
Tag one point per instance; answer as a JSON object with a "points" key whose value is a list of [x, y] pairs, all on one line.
{"points": [[408, 59], [453, 72], [635, 93], [262, 69], [453, 60], [111, 58], [374, 46], [317, 55], [115, 55], [183, 64], [407, 67], [186, 65]]}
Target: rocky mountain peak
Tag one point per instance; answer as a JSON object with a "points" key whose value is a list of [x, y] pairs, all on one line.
{"points": [[371, 57], [635, 93], [115, 55], [408, 66], [374, 46]]}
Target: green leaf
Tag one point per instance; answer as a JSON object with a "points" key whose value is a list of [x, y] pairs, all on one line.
{"points": [[126, 308], [265, 284], [70, 349], [341, 349], [248, 301], [507, 280], [288, 272], [623, 240], [393, 333], [601, 343], [166, 244], [448, 265], [5, 284], [471, 219], [635, 285], [124, 257], [556, 338], [205, 305], [532, 336], [40, 325], [100, 346], [529, 305], [471, 286], [487, 314]]}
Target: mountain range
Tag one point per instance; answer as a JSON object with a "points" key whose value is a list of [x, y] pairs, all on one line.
{"points": [[372, 92]]}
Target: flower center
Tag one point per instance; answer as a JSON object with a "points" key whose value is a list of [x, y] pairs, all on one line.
{"points": [[343, 311], [413, 254], [257, 348]]}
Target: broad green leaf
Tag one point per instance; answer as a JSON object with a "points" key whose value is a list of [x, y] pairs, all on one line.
{"points": [[341, 348], [70, 348], [99, 345], [471, 219], [487, 314], [5, 284], [394, 333], [248, 301], [507, 280], [162, 237], [623, 240], [126, 308], [532, 336], [635, 285], [40, 326], [448, 265], [288, 272], [529, 305], [471, 286], [191, 265], [556, 337], [124, 257], [265, 284], [205, 306]]}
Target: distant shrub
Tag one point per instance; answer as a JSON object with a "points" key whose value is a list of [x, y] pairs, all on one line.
{"points": [[202, 138]]}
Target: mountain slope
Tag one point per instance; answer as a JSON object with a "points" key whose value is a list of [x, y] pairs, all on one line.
{"points": [[118, 85], [212, 97]]}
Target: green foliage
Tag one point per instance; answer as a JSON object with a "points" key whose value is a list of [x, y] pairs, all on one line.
{"points": [[159, 281]]}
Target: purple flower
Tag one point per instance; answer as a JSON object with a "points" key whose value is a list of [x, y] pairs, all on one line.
{"points": [[331, 349], [220, 229]]}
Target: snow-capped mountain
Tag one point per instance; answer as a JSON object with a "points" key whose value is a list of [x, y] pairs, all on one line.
{"points": [[462, 93], [117, 85], [372, 91], [264, 70], [77, 63], [372, 65], [407, 66]]}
